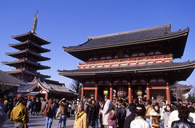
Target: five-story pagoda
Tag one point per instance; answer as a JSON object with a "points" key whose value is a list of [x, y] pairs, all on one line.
{"points": [[135, 65], [28, 56]]}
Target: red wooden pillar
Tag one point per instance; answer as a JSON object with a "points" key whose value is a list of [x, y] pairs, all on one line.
{"points": [[96, 92], [148, 91], [129, 93], [111, 90], [168, 93], [82, 90]]}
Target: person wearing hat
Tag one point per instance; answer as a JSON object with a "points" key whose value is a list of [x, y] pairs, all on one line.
{"points": [[80, 118], [19, 114]]}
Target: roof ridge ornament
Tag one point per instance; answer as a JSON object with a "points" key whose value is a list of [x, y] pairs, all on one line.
{"points": [[35, 22]]}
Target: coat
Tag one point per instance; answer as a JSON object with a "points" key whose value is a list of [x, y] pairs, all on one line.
{"points": [[80, 120], [165, 119], [112, 119], [182, 124], [105, 112], [128, 120], [19, 114]]}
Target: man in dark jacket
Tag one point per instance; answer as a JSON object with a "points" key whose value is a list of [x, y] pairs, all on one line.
{"points": [[132, 108], [92, 114], [121, 114], [183, 122]]}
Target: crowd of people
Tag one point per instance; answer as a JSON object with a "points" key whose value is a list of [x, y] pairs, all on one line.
{"points": [[91, 113]]}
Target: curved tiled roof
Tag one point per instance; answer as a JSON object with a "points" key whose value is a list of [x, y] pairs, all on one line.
{"points": [[126, 38]]}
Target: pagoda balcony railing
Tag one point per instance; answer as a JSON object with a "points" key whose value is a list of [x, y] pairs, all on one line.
{"points": [[127, 61]]}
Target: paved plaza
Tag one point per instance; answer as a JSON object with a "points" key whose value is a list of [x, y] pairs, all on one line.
{"points": [[39, 122]]}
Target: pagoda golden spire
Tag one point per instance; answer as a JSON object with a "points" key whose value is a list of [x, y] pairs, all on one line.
{"points": [[35, 23]]}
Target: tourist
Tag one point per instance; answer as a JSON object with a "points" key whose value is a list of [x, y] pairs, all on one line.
{"points": [[73, 108], [91, 115], [183, 119], [112, 120], [48, 112], [80, 118], [28, 104], [97, 108], [165, 116], [19, 114], [131, 116], [3, 115], [121, 114], [192, 114], [43, 105], [107, 107], [155, 116], [100, 113], [38, 106], [148, 110], [173, 115], [33, 106], [63, 105], [139, 121]]}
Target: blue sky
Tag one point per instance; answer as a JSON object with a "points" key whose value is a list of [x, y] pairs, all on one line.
{"points": [[70, 22]]}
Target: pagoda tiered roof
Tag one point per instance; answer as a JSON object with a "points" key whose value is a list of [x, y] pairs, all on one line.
{"points": [[28, 43], [27, 53], [26, 61], [159, 35], [21, 71], [32, 36], [150, 68]]}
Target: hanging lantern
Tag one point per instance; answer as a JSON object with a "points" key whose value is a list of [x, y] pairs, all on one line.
{"points": [[122, 92], [105, 92], [139, 93]]}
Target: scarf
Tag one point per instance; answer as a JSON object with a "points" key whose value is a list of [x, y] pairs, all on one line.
{"points": [[78, 115]]}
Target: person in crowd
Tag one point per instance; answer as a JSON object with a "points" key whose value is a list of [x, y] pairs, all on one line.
{"points": [[19, 114], [155, 116], [54, 107], [112, 120], [139, 121], [165, 116], [28, 104], [80, 118], [131, 116], [5, 105], [121, 114], [97, 108], [100, 113], [183, 119], [33, 106], [48, 112], [63, 105], [173, 115], [43, 105], [73, 108], [148, 110], [3, 115], [192, 114], [91, 116], [38, 106], [107, 108]]}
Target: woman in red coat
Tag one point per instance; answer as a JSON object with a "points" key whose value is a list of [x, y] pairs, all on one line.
{"points": [[112, 119]]}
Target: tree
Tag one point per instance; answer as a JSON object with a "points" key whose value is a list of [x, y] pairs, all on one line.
{"points": [[75, 86]]}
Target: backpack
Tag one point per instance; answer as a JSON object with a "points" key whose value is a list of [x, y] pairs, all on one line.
{"points": [[48, 111]]}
